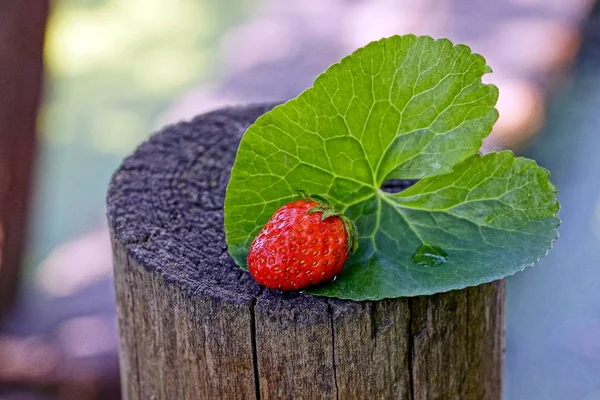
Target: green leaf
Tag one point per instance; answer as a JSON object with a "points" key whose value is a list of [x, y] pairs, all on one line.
{"points": [[404, 107]]}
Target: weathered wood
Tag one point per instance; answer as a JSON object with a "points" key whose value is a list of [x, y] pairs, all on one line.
{"points": [[194, 326], [22, 26]]}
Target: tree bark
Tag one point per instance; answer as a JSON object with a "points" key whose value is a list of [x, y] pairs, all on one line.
{"points": [[22, 26], [194, 326]]}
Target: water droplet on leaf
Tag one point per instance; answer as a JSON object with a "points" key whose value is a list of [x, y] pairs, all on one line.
{"points": [[428, 255]]}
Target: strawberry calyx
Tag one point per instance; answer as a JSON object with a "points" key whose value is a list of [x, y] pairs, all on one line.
{"points": [[329, 211]]}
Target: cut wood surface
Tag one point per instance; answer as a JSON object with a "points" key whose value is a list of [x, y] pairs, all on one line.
{"points": [[195, 326]]}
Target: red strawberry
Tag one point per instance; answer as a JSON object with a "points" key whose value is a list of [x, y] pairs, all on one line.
{"points": [[304, 243]]}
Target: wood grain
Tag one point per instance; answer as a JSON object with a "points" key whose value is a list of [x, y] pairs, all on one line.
{"points": [[194, 326]]}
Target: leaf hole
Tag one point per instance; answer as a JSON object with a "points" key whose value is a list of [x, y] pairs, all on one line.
{"points": [[397, 185]]}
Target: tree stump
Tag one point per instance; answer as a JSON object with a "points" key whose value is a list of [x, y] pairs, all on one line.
{"points": [[195, 326]]}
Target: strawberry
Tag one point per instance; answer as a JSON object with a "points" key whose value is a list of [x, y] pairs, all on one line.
{"points": [[305, 242]]}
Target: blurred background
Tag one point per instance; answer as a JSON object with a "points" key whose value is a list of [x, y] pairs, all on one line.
{"points": [[116, 70]]}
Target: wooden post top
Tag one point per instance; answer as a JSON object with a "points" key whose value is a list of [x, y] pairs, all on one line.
{"points": [[165, 204]]}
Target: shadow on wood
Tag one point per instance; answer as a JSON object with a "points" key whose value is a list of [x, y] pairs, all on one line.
{"points": [[194, 326]]}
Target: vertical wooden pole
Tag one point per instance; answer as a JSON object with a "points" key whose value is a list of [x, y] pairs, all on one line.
{"points": [[22, 27]]}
